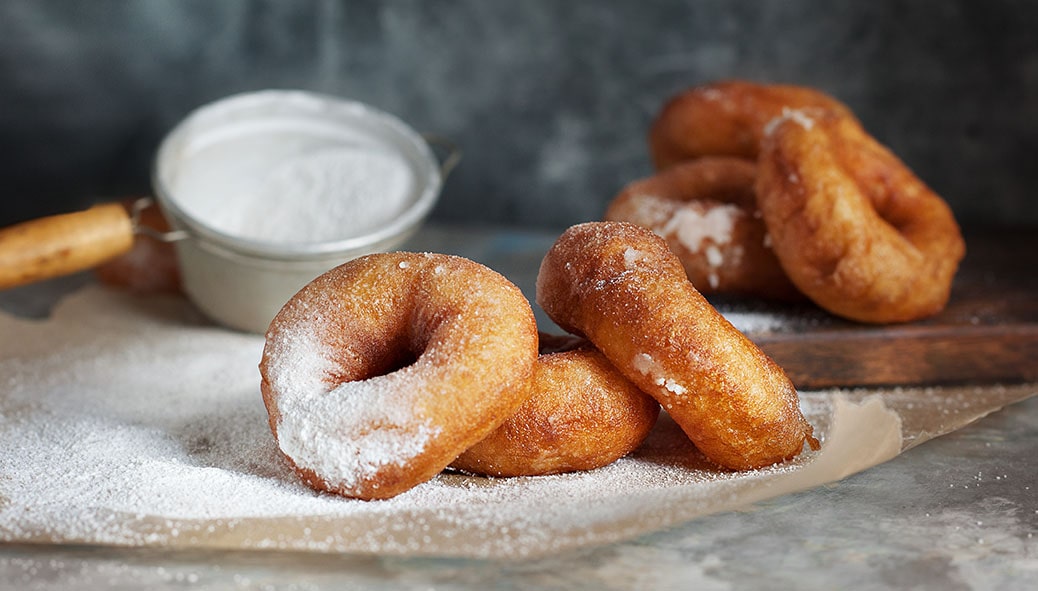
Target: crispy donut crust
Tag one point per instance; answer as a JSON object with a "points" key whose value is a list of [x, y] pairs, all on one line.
{"points": [[619, 285], [852, 226], [726, 118], [706, 210], [583, 414], [383, 370]]}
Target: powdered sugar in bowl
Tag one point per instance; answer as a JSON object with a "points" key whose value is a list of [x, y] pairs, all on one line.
{"points": [[270, 189]]}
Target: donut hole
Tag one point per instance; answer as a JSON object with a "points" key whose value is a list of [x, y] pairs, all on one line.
{"points": [[853, 227], [405, 359], [376, 358], [395, 362], [893, 193], [872, 171]]}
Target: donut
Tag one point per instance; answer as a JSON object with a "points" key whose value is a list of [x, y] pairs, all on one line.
{"points": [[619, 285], [583, 414], [851, 225], [380, 372], [150, 266], [726, 118], [706, 211]]}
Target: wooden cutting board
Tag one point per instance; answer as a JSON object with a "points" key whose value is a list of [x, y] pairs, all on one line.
{"points": [[987, 334]]}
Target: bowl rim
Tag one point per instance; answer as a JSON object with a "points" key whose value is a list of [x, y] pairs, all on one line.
{"points": [[428, 174]]}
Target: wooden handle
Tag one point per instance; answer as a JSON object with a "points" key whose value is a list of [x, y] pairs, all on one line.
{"points": [[63, 244]]}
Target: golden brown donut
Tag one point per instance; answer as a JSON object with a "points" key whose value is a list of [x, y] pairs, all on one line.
{"points": [[380, 372], [150, 266], [582, 414], [706, 210], [726, 118], [852, 226], [620, 286]]}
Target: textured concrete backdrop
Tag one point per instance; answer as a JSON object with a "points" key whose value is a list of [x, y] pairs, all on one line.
{"points": [[549, 100]]}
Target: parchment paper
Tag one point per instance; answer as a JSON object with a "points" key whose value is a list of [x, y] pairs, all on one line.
{"points": [[131, 421]]}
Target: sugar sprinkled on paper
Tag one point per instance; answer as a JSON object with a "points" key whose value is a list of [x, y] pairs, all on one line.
{"points": [[130, 421]]}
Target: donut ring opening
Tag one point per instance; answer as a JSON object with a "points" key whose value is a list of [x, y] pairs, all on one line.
{"points": [[852, 226]]}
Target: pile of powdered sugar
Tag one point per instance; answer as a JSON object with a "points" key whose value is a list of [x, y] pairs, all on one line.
{"points": [[755, 322], [294, 191], [134, 422], [695, 223]]}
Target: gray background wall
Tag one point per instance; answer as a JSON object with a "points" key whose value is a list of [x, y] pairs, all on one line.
{"points": [[549, 100]]}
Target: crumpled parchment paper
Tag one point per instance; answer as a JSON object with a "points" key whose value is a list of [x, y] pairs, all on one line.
{"points": [[133, 421]]}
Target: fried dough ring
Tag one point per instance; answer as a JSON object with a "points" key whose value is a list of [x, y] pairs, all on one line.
{"points": [[706, 210], [620, 286], [852, 226], [726, 118], [383, 370], [583, 414]]}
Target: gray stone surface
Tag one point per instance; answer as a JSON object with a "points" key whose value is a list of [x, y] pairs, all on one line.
{"points": [[549, 100]]}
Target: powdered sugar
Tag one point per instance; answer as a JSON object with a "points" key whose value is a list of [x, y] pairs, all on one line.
{"points": [[693, 226], [632, 257], [749, 322], [645, 364], [714, 257], [712, 94], [795, 115], [294, 192], [125, 421], [673, 386], [330, 430]]}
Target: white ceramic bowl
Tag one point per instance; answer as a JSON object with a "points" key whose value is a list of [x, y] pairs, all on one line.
{"points": [[241, 281]]}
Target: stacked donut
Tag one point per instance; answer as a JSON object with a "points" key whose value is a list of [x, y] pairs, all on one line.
{"points": [[393, 367], [390, 368], [775, 190]]}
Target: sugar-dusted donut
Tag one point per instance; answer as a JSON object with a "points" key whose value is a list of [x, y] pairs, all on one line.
{"points": [[706, 210], [582, 414], [620, 286], [852, 226], [726, 118], [380, 372]]}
